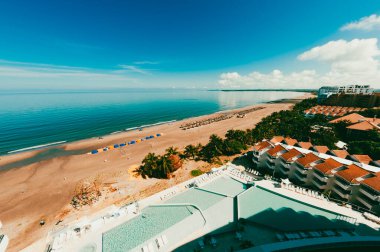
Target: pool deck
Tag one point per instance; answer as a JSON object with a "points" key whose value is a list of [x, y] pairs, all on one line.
{"points": [[212, 193]]}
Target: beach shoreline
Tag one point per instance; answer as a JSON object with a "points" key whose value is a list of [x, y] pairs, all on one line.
{"points": [[43, 190]]}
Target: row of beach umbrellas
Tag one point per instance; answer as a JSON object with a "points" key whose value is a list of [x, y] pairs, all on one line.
{"points": [[116, 146]]}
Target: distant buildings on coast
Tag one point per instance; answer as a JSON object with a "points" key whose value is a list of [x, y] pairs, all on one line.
{"points": [[350, 96]]}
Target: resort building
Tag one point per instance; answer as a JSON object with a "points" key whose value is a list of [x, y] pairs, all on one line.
{"points": [[334, 172], [323, 174], [4, 240], [301, 169], [359, 125], [228, 208], [284, 162], [258, 149], [347, 181], [369, 193], [326, 91]]}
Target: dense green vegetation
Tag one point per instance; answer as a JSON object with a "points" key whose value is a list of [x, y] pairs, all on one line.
{"points": [[196, 173], [370, 113], [291, 123]]}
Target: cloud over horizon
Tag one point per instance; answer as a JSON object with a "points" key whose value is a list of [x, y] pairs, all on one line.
{"points": [[349, 62], [369, 23]]}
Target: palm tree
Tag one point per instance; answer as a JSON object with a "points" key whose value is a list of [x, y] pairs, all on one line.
{"points": [[172, 151], [149, 165], [190, 151], [165, 166]]}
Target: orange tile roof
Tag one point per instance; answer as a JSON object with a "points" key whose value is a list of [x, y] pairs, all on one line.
{"points": [[277, 139], [373, 182], [328, 165], [291, 154], [321, 148], [308, 159], [353, 118], [275, 150], [341, 153], [261, 145], [290, 141], [366, 125], [305, 145], [365, 159], [352, 173]]}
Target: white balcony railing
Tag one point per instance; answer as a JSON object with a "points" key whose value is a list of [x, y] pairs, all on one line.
{"points": [[300, 177], [341, 193], [362, 200], [321, 178], [319, 185], [369, 195], [344, 186]]}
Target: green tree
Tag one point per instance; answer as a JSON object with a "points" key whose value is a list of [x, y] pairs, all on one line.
{"points": [[172, 151], [191, 151]]}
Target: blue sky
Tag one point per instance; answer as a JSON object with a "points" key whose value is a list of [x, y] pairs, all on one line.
{"points": [[200, 44]]}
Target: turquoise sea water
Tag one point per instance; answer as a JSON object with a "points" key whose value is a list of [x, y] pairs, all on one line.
{"points": [[30, 119]]}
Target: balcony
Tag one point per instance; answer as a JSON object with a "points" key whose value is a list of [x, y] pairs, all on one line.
{"points": [[270, 165], [256, 154], [319, 184], [300, 177], [321, 178], [301, 170], [341, 193], [369, 194], [344, 186], [255, 161], [365, 202], [284, 170]]}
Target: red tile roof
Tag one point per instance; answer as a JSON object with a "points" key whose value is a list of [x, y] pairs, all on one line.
{"points": [[277, 139], [366, 125], [352, 173], [290, 154], [373, 182], [328, 165], [304, 145], [340, 153], [353, 118], [321, 148], [365, 159], [289, 141], [308, 159], [275, 150], [261, 145]]}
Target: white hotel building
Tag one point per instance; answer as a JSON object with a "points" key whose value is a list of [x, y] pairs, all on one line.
{"points": [[341, 178]]}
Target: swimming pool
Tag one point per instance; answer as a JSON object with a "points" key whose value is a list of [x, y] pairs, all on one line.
{"points": [[152, 221]]}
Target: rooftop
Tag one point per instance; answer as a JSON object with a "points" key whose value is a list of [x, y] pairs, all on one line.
{"points": [[352, 118], [289, 141], [352, 173], [291, 154], [328, 165], [365, 159], [277, 139], [373, 182], [366, 125], [340, 153], [308, 159], [321, 148], [261, 145], [304, 145], [275, 150]]}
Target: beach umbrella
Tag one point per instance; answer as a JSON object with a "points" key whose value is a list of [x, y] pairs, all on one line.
{"points": [[110, 147], [158, 134], [132, 142], [94, 151], [116, 146], [105, 149], [138, 140], [123, 144]]}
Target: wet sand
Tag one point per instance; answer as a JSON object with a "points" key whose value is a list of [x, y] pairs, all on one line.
{"points": [[43, 190]]}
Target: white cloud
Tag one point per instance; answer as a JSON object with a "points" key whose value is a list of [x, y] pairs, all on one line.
{"points": [[365, 23], [134, 69], [146, 62], [354, 61], [23, 73]]}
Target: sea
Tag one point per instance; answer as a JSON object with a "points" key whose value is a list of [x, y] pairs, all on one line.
{"points": [[37, 119]]}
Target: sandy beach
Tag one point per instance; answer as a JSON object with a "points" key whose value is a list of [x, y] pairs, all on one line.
{"points": [[43, 190]]}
